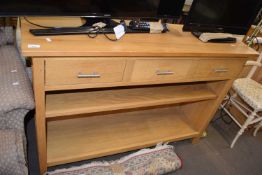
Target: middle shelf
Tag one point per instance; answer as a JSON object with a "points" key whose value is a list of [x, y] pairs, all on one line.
{"points": [[93, 100]]}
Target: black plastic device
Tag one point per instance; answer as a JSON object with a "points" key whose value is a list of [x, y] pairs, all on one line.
{"points": [[223, 40], [222, 16], [139, 25], [78, 31]]}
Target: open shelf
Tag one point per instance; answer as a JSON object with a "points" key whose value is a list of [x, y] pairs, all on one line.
{"points": [[89, 137], [90, 101]]}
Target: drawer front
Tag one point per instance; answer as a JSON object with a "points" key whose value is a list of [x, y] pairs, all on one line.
{"points": [[213, 69], [164, 70], [70, 71]]}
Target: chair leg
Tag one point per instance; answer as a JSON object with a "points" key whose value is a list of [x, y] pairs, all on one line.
{"points": [[258, 126], [244, 126]]}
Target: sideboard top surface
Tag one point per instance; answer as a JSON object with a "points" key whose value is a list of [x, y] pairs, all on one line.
{"points": [[173, 43]]}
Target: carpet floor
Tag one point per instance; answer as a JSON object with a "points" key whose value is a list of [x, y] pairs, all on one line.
{"points": [[211, 156]]}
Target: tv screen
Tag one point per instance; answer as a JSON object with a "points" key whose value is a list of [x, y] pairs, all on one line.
{"points": [[93, 8], [231, 16]]}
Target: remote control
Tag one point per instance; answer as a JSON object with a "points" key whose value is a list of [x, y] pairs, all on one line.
{"points": [[139, 25]]}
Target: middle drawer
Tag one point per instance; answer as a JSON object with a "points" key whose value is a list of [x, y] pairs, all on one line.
{"points": [[70, 71], [161, 70]]}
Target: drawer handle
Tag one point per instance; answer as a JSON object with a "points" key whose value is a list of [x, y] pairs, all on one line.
{"points": [[92, 75], [220, 70], [168, 72]]}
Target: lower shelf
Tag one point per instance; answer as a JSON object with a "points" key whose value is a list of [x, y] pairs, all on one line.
{"points": [[78, 139]]}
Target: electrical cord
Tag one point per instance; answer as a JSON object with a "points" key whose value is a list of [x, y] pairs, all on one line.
{"points": [[258, 44], [97, 29], [38, 25], [225, 120], [111, 39], [93, 33], [222, 114], [122, 22], [19, 22]]}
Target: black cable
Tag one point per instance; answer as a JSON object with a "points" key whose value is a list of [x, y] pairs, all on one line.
{"points": [[222, 117], [19, 21], [95, 33], [258, 44], [111, 39], [47, 27], [92, 34], [223, 114], [227, 120]]}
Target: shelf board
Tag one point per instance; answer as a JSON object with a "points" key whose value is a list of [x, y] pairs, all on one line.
{"points": [[116, 99], [83, 138]]}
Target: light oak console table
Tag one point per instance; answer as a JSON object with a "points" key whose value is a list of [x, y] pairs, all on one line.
{"points": [[95, 97]]}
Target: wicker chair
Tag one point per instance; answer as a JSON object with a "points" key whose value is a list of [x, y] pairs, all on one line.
{"points": [[16, 99]]}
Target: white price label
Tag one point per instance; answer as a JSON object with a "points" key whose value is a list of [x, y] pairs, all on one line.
{"points": [[119, 31], [33, 46]]}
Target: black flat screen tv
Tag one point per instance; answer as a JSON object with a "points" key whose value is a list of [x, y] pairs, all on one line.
{"points": [[93, 8], [227, 16]]}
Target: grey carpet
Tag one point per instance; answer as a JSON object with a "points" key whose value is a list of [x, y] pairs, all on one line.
{"points": [[211, 156]]}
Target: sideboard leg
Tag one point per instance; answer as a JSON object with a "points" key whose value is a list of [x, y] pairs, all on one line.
{"points": [[195, 140], [40, 121]]}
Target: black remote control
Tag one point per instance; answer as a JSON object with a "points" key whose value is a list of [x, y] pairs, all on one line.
{"points": [[139, 25]]}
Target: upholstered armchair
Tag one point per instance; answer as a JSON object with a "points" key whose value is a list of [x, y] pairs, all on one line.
{"points": [[16, 100]]}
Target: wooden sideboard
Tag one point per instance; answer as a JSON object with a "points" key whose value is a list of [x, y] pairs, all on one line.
{"points": [[95, 97]]}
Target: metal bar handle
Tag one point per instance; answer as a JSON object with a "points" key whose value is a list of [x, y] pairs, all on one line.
{"points": [[220, 70], [92, 75], [168, 72]]}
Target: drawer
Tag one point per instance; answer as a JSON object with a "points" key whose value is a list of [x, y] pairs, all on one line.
{"points": [[162, 70], [220, 68], [70, 71]]}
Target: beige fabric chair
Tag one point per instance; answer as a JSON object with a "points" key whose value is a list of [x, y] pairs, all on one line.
{"points": [[250, 92]]}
